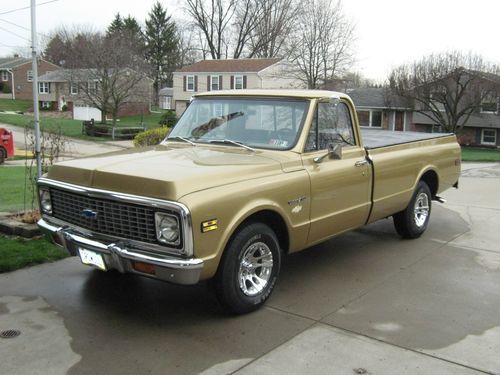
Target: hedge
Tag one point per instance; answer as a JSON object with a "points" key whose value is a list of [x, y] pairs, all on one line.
{"points": [[151, 137]]}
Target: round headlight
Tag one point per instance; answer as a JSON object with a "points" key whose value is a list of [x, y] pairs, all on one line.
{"points": [[45, 201], [167, 229]]}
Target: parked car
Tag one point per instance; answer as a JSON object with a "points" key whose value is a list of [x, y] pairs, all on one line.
{"points": [[6, 144], [244, 178]]}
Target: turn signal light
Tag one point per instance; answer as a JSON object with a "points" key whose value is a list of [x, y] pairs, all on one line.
{"points": [[144, 267]]}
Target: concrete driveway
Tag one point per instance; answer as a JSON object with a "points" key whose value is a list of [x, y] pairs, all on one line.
{"points": [[364, 303]]}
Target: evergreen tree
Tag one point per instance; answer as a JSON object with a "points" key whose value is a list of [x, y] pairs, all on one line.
{"points": [[162, 45], [116, 26]]}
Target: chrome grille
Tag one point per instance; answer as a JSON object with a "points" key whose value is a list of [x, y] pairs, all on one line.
{"points": [[114, 218]]}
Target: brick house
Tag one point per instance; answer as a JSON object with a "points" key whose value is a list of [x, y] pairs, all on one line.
{"points": [[378, 107], [58, 89], [16, 73], [234, 74]]}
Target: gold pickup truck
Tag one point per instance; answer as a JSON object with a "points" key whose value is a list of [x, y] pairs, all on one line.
{"points": [[244, 178]]}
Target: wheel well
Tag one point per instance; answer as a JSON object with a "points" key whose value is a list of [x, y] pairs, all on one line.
{"points": [[275, 222], [431, 179]]}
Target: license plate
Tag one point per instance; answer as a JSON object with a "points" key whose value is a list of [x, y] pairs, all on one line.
{"points": [[92, 258]]}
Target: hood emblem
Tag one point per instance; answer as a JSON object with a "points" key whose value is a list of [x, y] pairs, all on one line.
{"points": [[89, 214]]}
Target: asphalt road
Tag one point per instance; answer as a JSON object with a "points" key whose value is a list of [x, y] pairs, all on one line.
{"points": [[366, 302]]}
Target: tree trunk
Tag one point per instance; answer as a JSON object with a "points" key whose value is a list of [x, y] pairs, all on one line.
{"points": [[103, 117]]}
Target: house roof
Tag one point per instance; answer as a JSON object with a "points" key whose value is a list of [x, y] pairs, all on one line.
{"points": [[476, 120], [371, 97], [12, 62], [166, 91], [229, 66]]}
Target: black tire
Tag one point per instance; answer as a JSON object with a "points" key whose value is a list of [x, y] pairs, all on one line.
{"points": [[237, 282], [413, 221], [2, 155]]}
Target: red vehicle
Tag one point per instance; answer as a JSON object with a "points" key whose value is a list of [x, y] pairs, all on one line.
{"points": [[6, 144]]}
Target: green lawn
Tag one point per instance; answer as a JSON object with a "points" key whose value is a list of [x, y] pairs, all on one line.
{"points": [[16, 253], [12, 189], [73, 128], [480, 154], [15, 105]]}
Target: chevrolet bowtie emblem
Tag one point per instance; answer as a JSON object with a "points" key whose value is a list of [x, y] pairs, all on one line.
{"points": [[89, 214]]}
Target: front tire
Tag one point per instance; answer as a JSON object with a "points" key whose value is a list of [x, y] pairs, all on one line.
{"points": [[413, 221], [249, 269]]}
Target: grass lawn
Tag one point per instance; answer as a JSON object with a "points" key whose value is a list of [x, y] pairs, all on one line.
{"points": [[15, 105], [73, 128], [16, 253], [12, 189], [480, 154]]}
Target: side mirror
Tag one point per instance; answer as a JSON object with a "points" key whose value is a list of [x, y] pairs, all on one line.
{"points": [[334, 152]]}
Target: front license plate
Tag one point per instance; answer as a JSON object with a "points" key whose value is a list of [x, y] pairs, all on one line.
{"points": [[92, 258]]}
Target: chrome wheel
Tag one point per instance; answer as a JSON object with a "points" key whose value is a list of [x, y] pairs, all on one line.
{"points": [[421, 210], [255, 268]]}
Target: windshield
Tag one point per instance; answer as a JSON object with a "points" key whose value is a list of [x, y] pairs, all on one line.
{"points": [[255, 122]]}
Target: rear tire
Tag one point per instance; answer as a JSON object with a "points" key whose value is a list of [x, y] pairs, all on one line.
{"points": [[413, 221], [3, 155], [249, 269]]}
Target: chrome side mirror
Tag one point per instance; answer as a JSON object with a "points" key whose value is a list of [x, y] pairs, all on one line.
{"points": [[334, 152]]}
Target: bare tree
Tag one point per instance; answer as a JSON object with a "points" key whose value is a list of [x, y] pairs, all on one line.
{"points": [[273, 28], [447, 87], [213, 19], [322, 44]]}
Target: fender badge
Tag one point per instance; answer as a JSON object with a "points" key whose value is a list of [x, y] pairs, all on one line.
{"points": [[296, 201]]}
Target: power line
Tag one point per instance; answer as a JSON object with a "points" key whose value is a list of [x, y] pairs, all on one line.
{"points": [[13, 33], [21, 27], [28, 7]]}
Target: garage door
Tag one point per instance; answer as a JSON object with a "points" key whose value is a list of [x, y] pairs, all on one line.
{"points": [[86, 113]]}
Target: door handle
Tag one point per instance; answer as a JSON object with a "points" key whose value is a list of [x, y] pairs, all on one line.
{"points": [[361, 163]]}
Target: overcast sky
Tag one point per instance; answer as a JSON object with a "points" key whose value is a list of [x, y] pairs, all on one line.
{"points": [[389, 32]]}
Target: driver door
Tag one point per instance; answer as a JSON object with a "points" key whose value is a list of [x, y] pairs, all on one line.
{"points": [[340, 189]]}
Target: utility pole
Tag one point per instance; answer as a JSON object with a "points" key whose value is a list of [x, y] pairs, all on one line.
{"points": [[34, 68]]}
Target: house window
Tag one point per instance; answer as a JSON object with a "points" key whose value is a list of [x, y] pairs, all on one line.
{"points": [[370, 118], [218, 109], [489, 137], [5, 75], [238, 82], [190, 83], [29, 75], [92, 87], [214, 83], [376, 119], [44, 87], [73, 89], [46, 105], [490, 104]]}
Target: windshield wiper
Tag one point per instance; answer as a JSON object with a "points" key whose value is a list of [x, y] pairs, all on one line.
{"points": [[228, 141], [179, 138]]}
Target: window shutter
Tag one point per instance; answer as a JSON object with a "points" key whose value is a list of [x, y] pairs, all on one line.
{"points": [[195, 83], [244, 82], [232, 82], [220, 82], [208, 83], [184, 82]]}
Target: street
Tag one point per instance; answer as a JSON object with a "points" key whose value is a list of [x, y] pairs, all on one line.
{"points": [[366, 302]]}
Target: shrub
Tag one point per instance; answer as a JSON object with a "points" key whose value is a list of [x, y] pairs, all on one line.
{"points": [[6, 89], [168, 119], [151, 137], [64, 108]]}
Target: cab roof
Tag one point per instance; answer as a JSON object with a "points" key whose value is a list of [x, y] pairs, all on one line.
{"points": [[305, 94]]}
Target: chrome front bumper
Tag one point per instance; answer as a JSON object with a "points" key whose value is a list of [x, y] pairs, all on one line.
{"points": [[120, 256]]}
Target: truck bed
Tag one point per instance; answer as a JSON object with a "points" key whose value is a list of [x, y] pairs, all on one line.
{"points": [[377, 138]]}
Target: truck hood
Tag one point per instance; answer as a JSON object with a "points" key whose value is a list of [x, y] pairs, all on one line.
{"points": [[170, 172]]}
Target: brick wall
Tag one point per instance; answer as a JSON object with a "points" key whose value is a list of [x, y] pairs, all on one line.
{"points": [[23, 87], [468, 136]]}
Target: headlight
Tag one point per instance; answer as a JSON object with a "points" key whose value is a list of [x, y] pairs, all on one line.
{"points": [[45, 201], [167, 229]]}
